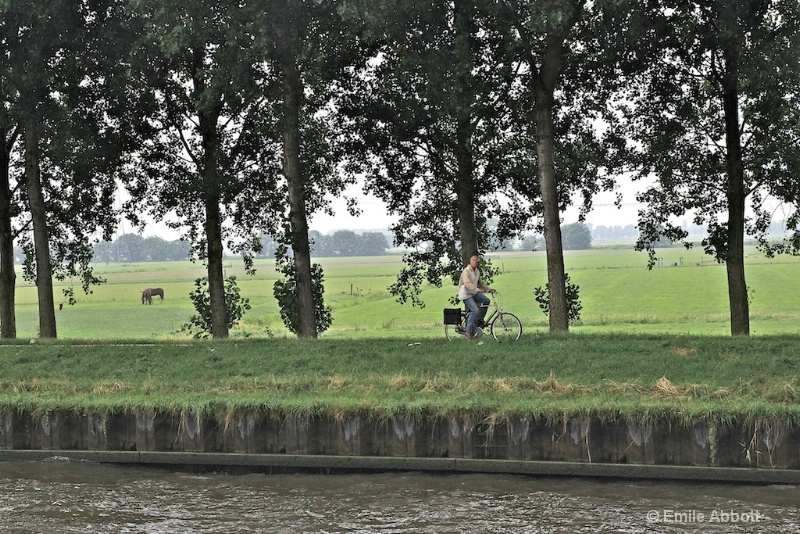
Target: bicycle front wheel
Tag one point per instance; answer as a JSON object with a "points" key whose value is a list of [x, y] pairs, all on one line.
{"points": [[506, 327]]}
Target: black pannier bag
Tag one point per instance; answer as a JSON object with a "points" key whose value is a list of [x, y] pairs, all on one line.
{"points": [[452, 316]]}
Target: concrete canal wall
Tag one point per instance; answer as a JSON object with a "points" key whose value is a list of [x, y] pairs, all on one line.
{"points": [[764, 451]]}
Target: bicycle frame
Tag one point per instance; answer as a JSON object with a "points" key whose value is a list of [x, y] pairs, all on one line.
{"points": [[502, 325], [494, 309]]}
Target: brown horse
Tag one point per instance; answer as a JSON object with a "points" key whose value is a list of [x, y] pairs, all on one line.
{"points": [[150, 292], [157, 292]]}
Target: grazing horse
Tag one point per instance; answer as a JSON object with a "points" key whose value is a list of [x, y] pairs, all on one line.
{"points": [[157, 292], [147, 296]]}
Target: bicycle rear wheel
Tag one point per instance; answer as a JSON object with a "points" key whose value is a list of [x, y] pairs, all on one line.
{"points": [[452, 334], [506, 327]]}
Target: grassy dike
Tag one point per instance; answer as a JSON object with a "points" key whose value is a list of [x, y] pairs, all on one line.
{"points": [[607, 376]]}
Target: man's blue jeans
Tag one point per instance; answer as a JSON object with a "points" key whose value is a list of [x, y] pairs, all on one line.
{"points": [[473, 303]]}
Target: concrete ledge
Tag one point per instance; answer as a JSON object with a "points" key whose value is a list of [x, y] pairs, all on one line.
{"points": [[730, 451], [333, 464]]}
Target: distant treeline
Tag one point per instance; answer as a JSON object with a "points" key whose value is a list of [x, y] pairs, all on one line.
{"points": [[133, 248], [339, 243], [580, 236], [130, 248], [630, 232]]}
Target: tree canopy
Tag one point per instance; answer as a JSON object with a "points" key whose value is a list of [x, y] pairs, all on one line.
{"points": [[475, 122], [432, 130]]}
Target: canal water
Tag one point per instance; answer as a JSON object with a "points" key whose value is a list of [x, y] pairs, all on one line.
{"points": [[58, 495]]}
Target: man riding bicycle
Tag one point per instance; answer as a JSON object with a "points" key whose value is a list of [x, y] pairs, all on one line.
{"points": [[471, 290]]}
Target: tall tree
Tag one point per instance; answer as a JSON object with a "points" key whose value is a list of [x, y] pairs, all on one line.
{"points": [[8, 277], [570, 55], [717, 121], [9, 135], [211, 159], [31, 48], [547, 26], [430, 127], [314, 50], [290, 28], [55, 59]]}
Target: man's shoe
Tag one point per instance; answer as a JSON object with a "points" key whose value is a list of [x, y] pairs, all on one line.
{"points": [[469, 335]]}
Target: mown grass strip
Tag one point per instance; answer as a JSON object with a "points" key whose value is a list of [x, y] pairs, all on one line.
{"points": [[605, 376]]}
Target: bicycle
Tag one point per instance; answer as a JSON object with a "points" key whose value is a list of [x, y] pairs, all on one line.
{"points": [[503, 326]]}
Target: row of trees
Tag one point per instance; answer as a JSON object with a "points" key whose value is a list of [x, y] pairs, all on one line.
{"points": [[339, 243], [574, 236], [348, 243], [135, 248], [627, 233], [242, 119]]}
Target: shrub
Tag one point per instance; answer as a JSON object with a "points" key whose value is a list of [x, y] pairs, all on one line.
{"points": [[199, 326], [574, 305], [286, 294]]}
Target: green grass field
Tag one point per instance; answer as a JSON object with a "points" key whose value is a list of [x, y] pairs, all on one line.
{"points": [[651, 343], [687, 295]]}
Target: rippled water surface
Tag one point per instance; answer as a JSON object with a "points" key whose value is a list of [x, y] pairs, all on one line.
{"points": [[62, 496]]}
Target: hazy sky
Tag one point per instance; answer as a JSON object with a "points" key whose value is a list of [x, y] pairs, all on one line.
{"points": [[374, 212], [374, 215]]}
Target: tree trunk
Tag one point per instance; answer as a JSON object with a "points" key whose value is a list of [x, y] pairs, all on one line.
{"points": [[464, 94], [545, 80], [465, 198], [213, 226], [207, 127], [465, 191], [8, 321], [298, 221], [216, 278], [737, 286], [41, 237], [734, 259], [556, 283], [545, 150]]}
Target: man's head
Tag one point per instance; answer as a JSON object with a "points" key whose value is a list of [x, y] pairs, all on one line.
{"points": [[473, 262]]}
